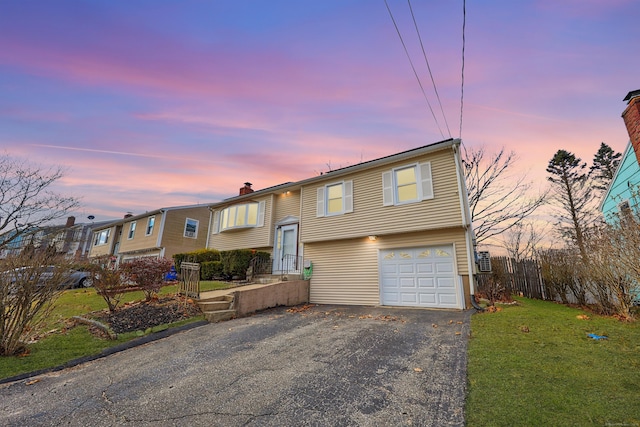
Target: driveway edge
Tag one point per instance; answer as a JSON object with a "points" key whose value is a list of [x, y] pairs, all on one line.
{"points": [[108, 351]]}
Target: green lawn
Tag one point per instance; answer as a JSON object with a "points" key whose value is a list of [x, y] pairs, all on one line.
{"points": [[62, 345], [554, 374]]}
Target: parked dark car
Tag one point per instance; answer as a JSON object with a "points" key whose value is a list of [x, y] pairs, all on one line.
{"points": [[73, 278]]}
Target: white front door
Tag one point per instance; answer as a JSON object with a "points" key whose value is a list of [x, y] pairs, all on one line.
{"points": [[285, 252]]}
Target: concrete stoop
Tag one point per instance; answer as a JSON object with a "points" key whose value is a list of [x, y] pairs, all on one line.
{"points": [[218, 309]]}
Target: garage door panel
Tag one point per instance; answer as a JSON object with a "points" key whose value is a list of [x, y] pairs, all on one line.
{"points": [[424, 268], [407, 269], [447, 300], [409, 298], [428, 299], [389, 268], [419, 277], [407, 283], [426, 282], [445, 283], [444, 267], [391, 297]]}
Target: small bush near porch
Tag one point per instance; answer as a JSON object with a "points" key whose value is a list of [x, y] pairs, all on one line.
{"points": [[533, 364]]}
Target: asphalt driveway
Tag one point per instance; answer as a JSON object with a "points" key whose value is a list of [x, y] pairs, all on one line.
{"points": [[323, 366]]}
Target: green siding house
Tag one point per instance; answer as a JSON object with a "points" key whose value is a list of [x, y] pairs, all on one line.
{"points": [[624, 190]]}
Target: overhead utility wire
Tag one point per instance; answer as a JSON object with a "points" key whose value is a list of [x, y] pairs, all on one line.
{"points": [[464, 23], [435, 89], [414, 69]]}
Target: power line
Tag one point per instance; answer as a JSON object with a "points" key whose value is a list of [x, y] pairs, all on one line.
{"points": [[429, 68], [464, 24], [413, 68]]}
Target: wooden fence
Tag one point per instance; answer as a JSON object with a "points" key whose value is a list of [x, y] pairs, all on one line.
{"points": [[189, 284], [516, 277]]}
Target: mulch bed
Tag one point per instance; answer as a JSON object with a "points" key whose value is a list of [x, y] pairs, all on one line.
{"points": [[142, 315]]}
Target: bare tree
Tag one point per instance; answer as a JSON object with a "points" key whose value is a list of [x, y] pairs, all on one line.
{"points": [[29, 284], [27, 201], [522, 240], [498, 200]]}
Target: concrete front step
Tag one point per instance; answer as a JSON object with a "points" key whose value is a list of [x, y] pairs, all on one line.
{"points": [[217, 308], [219, 315], [214, 305]]}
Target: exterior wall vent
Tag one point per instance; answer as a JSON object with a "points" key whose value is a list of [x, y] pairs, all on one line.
{"points": [[484, 261]]}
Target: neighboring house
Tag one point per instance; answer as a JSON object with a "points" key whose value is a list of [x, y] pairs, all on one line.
{"points": [[73, 240], [393, 231], [159, 233], [624, 189]]}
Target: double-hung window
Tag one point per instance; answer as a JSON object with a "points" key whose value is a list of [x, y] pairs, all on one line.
{"points": [[132, 230], [191, 228], [335, 199], [102, 237], [407, 184], [150, 223]]}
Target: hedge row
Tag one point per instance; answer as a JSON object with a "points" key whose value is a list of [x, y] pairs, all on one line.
{"points": [[221, 264], [199, 256]]}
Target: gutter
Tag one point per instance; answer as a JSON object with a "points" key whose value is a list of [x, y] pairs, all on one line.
{"points": [[466, 222]]}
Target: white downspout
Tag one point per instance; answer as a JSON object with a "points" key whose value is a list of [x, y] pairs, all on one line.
{"points": [[466, 216], [209, 227]]}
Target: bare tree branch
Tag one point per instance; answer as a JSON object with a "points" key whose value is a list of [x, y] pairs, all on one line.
{"points": [[27, 201], [497, 199]]}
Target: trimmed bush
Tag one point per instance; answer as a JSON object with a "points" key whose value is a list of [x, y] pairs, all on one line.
{"points": [[210, 270], [235, 263], [199, 256]]}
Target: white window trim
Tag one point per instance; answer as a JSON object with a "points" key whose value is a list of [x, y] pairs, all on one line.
{"points": [[150, 226], [218, 216], [195, 233], [347, 199], [424, 181], [96, 241], [132, 230]]}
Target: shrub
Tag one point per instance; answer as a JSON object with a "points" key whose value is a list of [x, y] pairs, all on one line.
{"points": [[613, 267], [148, 273], [28, 289], [561, 271], [210, 270], [495, 286], [236, 262], [107, 281], [199, 256]]}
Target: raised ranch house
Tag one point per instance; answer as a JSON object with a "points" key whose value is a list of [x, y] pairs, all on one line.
{"points": [[623, 192], [393, 231], [159, 233]]}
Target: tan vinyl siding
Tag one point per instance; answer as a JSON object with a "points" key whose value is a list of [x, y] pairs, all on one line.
{"points": [[246, 238], [140, 241], [173, 239], [287, 204], [346, 271], [369, 216]]}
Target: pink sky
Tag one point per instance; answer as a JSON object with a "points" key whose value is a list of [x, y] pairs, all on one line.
{"points": [[161, 103]]}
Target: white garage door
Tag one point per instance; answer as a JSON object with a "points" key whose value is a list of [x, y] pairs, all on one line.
{"points": [[419, 277]]}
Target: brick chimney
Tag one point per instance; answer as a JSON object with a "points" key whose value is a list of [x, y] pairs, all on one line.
{"points": [[246, 189], [631, 117], [70, 222]]}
